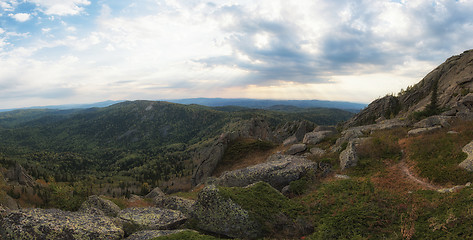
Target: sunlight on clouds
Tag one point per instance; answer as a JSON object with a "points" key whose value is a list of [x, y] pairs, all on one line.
{"points": [[20, 17], [61, 7]]}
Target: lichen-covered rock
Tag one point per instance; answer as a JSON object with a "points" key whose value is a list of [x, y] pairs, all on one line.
{"points": [[348, 157], [216, 214], [175, 203], [468, 162], [150, 234], [296, 148], [316, 137], [150, 218], [279, 170], [156, 192], [95, 202], [57, 224]]}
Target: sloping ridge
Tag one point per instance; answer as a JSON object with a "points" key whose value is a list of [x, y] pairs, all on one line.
{"points": [[452, 82]]}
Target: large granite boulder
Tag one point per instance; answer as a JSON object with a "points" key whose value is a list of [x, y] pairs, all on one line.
{"points": [[8, 202], [348, 157], [95, 204], [175, 203], [57, 224], [279, 170], [468, 162], [296, 148], [214, 213], [150, 218]]}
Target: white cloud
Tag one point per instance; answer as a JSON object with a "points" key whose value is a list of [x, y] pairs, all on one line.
{"points": [[61, 7], [8, 5], [21, 17]]}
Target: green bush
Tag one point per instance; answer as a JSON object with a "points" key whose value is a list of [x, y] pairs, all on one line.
{"points": [[188, 235], [347, 208]]}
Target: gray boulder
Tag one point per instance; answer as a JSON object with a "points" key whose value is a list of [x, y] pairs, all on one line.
{"points": [[57, 224], [348, 157], [175, 203], [150, 218], [296, 148], [316, 137], [419, 131], [214, 213], [150, 234], [468, 162], [432, 121], [156, 192], [95, 203], [279, 170]]}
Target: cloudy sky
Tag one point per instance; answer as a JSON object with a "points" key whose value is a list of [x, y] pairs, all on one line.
{"points": [[83, 51]]}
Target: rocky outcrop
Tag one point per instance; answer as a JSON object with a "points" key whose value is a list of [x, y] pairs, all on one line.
{"points": [[385, 107], [208, 159], [296, 148], [468, 162], [95, 204], [214, 213], [356, 132], [151, 234], [19, 175], [150, 218], [175, 203], [452, 82], [279, 170], [57, 224]]}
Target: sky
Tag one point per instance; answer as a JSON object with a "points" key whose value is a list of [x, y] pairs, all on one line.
{"points": [[83, 51]]}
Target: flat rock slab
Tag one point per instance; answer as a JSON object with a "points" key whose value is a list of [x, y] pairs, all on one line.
{"points": [[468, 162], [418, 131], [278, 171], [56, 224], [150, 218]]}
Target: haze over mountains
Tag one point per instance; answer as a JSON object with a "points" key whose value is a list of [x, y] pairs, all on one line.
{"points": [[219, 102]]}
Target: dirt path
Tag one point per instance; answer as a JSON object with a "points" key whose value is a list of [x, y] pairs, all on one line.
{"points": [[407, 172]]}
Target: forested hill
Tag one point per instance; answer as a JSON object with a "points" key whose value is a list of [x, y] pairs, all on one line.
{"points": [[129, 138]]}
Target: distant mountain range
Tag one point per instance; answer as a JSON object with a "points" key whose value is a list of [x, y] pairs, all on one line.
{"points": [[220, 102]]}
